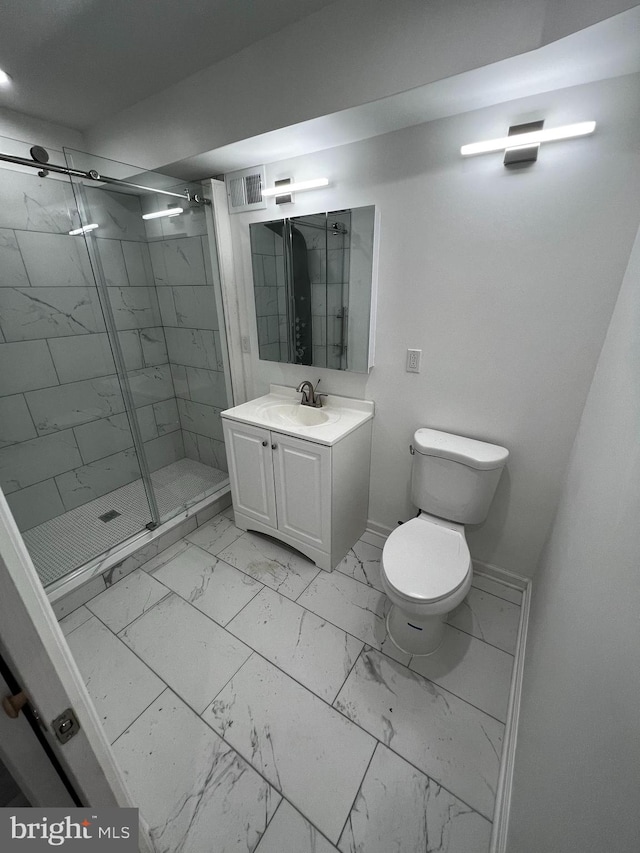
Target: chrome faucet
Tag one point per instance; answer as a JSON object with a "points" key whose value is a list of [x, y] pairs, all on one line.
{"points": [[309, 396]]}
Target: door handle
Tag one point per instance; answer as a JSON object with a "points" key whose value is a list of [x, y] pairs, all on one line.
{"points": [[264, 443], [274, 446], [13, 704]]}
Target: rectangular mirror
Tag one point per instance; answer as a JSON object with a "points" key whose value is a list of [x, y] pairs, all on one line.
{"points": [[312, 282]]}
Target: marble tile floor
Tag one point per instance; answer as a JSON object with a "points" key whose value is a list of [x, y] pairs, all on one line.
{"points": [[255, 703], [68, 541]]}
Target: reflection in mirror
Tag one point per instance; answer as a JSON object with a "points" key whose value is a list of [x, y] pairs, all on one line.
{"points": [[312, 278]]}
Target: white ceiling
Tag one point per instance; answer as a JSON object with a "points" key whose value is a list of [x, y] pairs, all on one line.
{"points": [[607, 49], [73, 62]]}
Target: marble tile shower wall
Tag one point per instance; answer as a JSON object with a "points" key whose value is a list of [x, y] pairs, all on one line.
{"points": [[65, 437], [64, 434], [184, 278]]}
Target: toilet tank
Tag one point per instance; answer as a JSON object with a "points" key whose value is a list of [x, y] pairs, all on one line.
{"points": [[454, 477]]}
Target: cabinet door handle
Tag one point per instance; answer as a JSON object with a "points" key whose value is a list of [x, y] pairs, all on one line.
{"points": [[274, 446], [264, 443]]}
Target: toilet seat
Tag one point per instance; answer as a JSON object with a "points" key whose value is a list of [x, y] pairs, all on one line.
{"points": [[423, 561]]}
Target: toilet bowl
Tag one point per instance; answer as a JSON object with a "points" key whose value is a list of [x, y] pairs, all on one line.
{"points": [[426, 572], [426, 565]]}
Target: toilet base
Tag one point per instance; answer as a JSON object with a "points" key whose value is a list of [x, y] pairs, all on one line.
{"points": [[415, 635]]}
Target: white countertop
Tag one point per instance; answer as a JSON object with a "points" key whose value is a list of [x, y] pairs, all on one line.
{"points": [[345, 414]]}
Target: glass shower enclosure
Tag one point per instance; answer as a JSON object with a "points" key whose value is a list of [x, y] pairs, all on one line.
{"points": [[114, 368]]}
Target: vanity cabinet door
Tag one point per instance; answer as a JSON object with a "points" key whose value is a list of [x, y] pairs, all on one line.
{"points": [[251, 471], [302, 472]]}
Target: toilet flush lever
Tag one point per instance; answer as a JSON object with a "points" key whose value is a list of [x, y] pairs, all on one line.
{"points": [[411, 450]]}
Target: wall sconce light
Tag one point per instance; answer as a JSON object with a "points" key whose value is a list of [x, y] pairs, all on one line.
{"points": [[523, 141], [83, 229], [170, 211], [283, 190]]}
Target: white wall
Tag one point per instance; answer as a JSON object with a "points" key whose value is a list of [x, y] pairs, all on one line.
{"points": [[344, 55], [505, 279], [34, 131], [577, 770]]}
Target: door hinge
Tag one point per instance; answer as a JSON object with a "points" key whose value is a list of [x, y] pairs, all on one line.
{"points": [[66, 725]]}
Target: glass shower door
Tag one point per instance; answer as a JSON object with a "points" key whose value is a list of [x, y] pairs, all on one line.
{"points": [[159, 279], [66, 446]]}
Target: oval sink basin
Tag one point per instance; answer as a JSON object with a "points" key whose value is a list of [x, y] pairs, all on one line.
{"points": [[294, 414]]}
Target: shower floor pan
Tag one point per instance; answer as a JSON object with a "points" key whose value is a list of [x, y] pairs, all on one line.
{"points": [[66, 542]]}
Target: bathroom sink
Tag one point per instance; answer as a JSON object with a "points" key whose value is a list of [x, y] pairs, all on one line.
{"points": [[281, 411], [294, 414]]}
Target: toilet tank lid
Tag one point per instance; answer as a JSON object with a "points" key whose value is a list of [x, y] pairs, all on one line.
{"points": [[468, 451]]}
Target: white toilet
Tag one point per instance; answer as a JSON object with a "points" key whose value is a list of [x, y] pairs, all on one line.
{"points": [[426, 565]]}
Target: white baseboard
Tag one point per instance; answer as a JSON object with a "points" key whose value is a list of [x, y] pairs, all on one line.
{"points": [[503, 575], [507, 763], [375, 534]]}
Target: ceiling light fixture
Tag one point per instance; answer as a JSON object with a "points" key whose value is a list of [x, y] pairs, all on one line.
{"points": [[526, 136], [298, 187], [4, 77], [170, 211], [83, 229]]}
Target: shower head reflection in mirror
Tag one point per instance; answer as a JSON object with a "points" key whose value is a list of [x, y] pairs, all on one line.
{"points": [[312, 280]]}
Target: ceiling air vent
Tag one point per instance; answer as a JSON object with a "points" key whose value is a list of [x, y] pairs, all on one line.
{"points": [[244, 189]]}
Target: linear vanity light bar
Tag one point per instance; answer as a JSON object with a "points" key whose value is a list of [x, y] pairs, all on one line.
{"points": [[300, 186], [83, 229], [567, 131], [170, 211]]}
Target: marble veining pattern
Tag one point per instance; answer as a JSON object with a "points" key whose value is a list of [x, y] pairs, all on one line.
{"points": [[289, 830], [355, 607], [400, 809], [397, 763], [216, 535], [314, 652], [451, 741], [47, 312], [33, 203], [205, 797], [119, 605], [362, 563], [212, 586], [200, 663], [119, 683], [12, 271], [284, 730]]}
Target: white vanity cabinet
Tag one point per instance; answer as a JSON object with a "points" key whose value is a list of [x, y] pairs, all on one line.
{"points": [[312, 495]]}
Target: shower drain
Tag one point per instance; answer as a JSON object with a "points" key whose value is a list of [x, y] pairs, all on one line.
{"points": [[109, 516]]}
